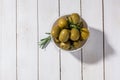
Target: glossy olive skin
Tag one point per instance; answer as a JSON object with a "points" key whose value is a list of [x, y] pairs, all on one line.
{"points": [[56, 40], [84, 33], [75, 18], [77, 44], [65, 45], [64, 35], [55, 31], [62, 23], [75, 34], [69, 19]]}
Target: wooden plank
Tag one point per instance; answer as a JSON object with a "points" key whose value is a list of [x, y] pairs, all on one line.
{"points": [[27, 39], [70, 62], [48, 58], [112, 44], [8, 40], [93, 50]]}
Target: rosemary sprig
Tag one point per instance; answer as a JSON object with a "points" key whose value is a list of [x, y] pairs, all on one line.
{"points": [[47, 33], [45, 41], [74, 26], [77, 26]]}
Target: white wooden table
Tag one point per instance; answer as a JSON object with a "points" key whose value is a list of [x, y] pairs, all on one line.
{"points": [[24, 22]]}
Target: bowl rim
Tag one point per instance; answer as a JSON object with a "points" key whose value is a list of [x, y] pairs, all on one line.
{"points": [[75, 50]]}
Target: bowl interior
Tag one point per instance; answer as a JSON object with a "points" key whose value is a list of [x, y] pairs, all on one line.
{"points": [[72, 50]]}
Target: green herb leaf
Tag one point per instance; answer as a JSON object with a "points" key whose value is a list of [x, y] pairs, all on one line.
{"points": [[44, 42], [47, 33], [74, 26]]}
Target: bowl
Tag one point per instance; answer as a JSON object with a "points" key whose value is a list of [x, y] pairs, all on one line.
{"points": [[71, 43]]}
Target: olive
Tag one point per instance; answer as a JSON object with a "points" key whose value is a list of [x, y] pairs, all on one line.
{"points": [[62, 23], [84, 33], [69, 19], [77, 44], [74, 34], [65, 45], [64, 35], [75, 18], [56, 40], [55, 31]]}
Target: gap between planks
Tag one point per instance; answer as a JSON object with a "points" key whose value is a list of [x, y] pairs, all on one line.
{"points": [[38, 72], [81, 48], [59, 49], [16, 45], [103, 40]]}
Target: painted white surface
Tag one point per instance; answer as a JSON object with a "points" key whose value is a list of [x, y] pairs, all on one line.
{"points": [[48, 58], [112, 30], [8, 40], [27, 39], [34, 64], [93, 51]]}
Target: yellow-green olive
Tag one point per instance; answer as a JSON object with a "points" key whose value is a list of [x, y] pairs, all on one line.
{"points": [[65, 45], [84, 33], [55, 31], [56, 40], [69, 19], [75, 34], [62, 23], [64, 35], [75, 18], [77, 44]]}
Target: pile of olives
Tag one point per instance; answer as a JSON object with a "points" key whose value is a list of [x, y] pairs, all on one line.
{"points": [[69, 32]]}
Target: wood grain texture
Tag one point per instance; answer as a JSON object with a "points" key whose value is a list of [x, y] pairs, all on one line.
{"points": [[93, 50], [70, 62], [48, 58], [8, 40], [27, 39], [112, 31]]}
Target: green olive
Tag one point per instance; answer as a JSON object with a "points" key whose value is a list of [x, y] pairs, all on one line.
{"points": [[69, 19], [84, 33], [56, 40], [55, 31], [75, 18], [64, 35], [74, 34], [62, 23], [65, 45], [77, 44]]}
